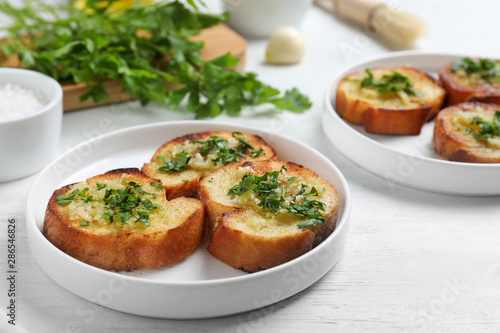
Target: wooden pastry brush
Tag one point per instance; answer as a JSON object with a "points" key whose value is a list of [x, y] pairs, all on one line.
{"points": [[396, 29]]}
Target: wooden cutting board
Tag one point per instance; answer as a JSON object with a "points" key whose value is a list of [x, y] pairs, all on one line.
{"points": [[219, 40]]}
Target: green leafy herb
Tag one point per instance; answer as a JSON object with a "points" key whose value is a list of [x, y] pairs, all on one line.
{"points": [[310, 222], [272, 199], [217, 146], [157, 186], [486, 129], [176, 164], [489, 70], [97, 44], [84, 223], [120, 204], [245, 145], [65, 199], [396, 82]]}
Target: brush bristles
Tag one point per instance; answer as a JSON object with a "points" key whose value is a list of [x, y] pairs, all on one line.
{"points": [[399, 29]]}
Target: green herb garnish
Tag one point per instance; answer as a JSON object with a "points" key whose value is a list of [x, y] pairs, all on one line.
{"points": [[272, 199], [120, 204], [395, 82], [84, 223], [310, 222], [157, 186], [176, 164], [489, 70], [100, 186], [96, 44], [65, 199], [245, 145], [486, 129], [125, 204], [217, 146]]}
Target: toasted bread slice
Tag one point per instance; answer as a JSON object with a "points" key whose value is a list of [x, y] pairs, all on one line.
{"points": [[206, 151], [397, 100], [245, 236], [461, 133], [121, 221], [471, 80]]}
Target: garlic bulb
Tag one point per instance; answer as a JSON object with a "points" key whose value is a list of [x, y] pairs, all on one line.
{"points": [[286, 46]]}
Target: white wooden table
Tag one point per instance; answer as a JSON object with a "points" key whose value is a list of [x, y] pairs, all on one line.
{"points": [[415, 261]]}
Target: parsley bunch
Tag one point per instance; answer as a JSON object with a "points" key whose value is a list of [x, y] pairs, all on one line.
{"points": [[489, 70], [395, 82], [266, 188], [96, 44]]}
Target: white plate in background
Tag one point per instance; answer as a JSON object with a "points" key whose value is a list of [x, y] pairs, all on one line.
{"points": [[408, 160], [199, 286]]}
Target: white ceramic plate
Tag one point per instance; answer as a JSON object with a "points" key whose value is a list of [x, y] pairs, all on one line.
{"points": [[199, 286], [407, 160]]}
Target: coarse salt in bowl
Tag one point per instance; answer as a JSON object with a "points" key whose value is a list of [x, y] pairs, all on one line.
{"points": [[30, 122], [17, 101]]}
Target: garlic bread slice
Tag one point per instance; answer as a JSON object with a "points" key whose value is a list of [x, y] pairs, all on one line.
{"points": [[396, 100], [468, 132], [264, 213], [468, 79], [121, 221], [180, 163]]}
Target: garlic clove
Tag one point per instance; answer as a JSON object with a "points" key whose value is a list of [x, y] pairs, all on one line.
{"points": [[285, 47]]}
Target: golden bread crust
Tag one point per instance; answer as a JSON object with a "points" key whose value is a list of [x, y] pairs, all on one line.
{"points": [[389, 112], [185, 183], [246, 238], [452, 141], [125, 248], [251, 252]]}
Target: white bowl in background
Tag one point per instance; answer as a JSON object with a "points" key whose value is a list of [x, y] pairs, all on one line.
{"points": [[30, 142], [261, 18]]}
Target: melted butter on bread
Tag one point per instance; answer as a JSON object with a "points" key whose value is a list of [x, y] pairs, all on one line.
{"points": [[202, 164], [462, 135], [398, 104], [270, 223], [185, 182], [79, 210], [144, 233], [469, 80], [245, 237], [464, 123], [391, 99]]}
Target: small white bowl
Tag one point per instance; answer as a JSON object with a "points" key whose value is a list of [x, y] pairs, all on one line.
{"points": [[30, 142], [261, 18]]}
